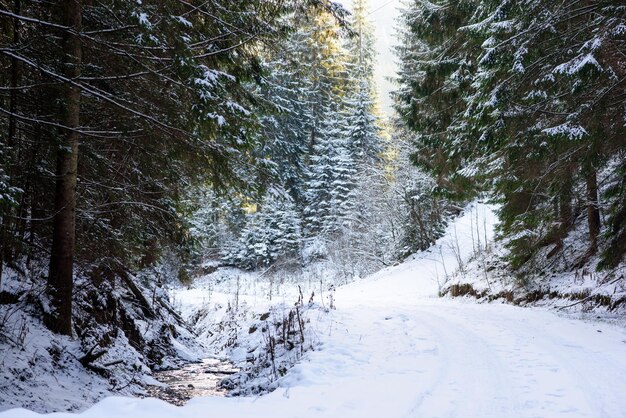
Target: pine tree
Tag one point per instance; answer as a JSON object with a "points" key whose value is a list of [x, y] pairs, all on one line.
{"points": [[418, 213], [284, 139], [363, 130], [362, 126], [330, 167], [328, 176]]}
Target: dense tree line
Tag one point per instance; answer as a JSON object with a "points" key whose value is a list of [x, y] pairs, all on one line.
{"points": [[111, 112], [140, 136], [342, 196], [524, 100]]}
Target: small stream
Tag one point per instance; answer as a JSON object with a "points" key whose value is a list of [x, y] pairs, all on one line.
{"points": [[191, 381]]}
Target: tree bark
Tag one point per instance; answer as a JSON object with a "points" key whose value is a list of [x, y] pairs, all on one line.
{"points": [[60, 279], [593, 210], [6, 246], [565, 207], [14, 77]]}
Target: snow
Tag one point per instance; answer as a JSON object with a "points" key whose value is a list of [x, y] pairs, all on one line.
{"points": [[564, 278], [619, 30], [41, 371], [49, 365], [392, 348], [221, 120], [573, 132], [143, 19], [183, 21], [236, 107], [577, 64]]}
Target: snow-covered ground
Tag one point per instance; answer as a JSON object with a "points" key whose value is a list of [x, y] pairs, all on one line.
{"points": [[42, 371], [392, 348]]}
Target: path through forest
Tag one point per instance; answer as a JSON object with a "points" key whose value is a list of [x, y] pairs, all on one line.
{"points": [[392, 348]]}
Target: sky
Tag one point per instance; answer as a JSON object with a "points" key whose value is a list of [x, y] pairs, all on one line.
{"points": [[383, 14]]}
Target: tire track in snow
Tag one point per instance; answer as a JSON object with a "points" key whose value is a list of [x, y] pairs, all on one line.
{"points": [[466, 375], [547, 363]]}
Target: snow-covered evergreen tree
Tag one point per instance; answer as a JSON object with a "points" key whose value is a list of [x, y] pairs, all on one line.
{"points": [[330, 172], [288, 88], [331, 179], [525, 100], [547, 108], [271, 233], [436, 73], [363, 127]]}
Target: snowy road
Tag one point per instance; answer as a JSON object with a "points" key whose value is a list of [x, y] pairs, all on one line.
{"points": [[458, 360], [393, 349]]}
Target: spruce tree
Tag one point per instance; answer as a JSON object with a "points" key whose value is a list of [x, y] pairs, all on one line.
{"points": [[272, 233], [435, 77], [522, 100], [547, 111], [363, 126]]}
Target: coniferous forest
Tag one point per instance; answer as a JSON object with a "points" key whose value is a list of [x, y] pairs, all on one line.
{"points": [[524, 100], [147, 146]]}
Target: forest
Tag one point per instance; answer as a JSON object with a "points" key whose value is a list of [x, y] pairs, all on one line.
{"points": [[148, 147]]}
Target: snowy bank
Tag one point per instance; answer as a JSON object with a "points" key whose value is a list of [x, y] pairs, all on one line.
{"points": [[563, 277], [120, 336]]}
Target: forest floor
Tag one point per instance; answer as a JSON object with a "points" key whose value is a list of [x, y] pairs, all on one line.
{"points": [[393, 348]]}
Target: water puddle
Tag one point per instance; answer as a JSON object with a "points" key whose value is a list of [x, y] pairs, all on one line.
{"points": [[192, 381]]}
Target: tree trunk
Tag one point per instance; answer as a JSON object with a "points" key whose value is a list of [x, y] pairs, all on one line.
{"points": [[60, 279], [593, 211], [565, 207], [14, 76], [6, 246]]}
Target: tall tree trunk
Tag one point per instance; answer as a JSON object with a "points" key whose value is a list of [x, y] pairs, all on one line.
{"points": [[593, 210], [14, 76], [60, 279], [565, 211], [5, 239]]}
